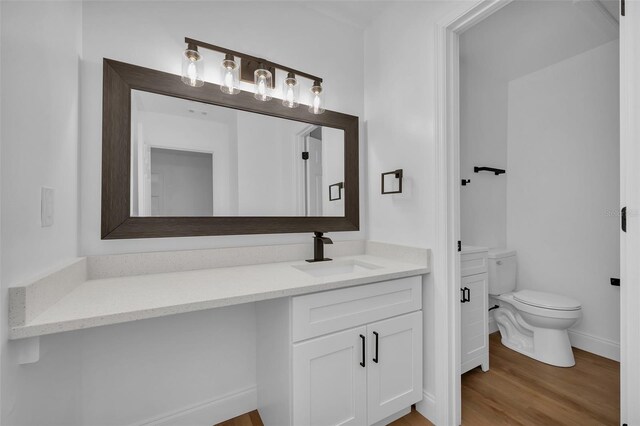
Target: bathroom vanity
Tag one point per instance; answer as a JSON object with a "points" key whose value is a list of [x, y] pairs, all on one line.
{"points": [[336, 340], [474, 314], [353, 353]]}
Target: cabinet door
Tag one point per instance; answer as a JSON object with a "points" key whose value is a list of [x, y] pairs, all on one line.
{"points": [[474, 322], [329, 382], [395, 369]]}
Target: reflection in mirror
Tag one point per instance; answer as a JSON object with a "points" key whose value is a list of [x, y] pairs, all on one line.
{"points": [[195, 159]]}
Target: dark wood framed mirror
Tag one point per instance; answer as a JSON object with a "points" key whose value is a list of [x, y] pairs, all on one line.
{"points": [[146, 187]]}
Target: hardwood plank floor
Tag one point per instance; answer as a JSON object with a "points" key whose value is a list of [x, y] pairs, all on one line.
{"points": [[518, 390], [247, 419], [412, 419], [253, 419]]}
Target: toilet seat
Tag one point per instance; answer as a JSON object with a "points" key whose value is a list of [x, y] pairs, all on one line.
{"points": [[544, 300], [539, 310]]}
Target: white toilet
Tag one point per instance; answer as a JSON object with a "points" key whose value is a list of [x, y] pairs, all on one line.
{"points": [[533, 323]]}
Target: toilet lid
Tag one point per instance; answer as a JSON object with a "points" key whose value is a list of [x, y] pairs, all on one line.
{"points": [[547, 300]]}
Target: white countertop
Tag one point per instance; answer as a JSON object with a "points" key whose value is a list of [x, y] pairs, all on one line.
{"points": [[473, 249], [106, 301]]}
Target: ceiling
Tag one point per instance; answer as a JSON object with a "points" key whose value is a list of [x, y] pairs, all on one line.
{"points": [[160, 104], [526, 36], [358, 14]]}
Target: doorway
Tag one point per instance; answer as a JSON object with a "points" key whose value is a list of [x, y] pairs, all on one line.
{"points": [[313, 172], [449, 173]]}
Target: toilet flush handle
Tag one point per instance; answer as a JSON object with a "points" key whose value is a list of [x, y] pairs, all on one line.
{"points": [[499, 262]]}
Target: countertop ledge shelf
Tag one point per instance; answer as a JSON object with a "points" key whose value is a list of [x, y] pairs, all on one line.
{"points": [[67, 299]]}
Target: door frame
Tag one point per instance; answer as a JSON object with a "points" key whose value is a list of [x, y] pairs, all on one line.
{"points": [[300, 170], [447, 261], [630, 197]]}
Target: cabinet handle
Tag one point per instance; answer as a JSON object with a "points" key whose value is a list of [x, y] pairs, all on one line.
{"points": [[466, 295], [375, 358], [362, 363]]}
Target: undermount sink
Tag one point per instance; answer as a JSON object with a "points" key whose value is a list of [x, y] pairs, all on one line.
{"points": [[336, 267]]}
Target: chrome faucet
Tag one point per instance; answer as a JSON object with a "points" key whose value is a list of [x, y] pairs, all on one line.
{"points": [[318, 247]]}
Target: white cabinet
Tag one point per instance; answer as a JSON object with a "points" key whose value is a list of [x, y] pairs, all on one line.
{"points": [[329, 382], [394, 374], [474, 314], [343, 357]]}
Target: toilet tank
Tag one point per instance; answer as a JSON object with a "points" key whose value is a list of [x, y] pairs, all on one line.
{"points": [[502, 271]]}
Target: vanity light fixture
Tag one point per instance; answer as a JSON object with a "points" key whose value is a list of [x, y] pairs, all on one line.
{"points": [[290, 91], [251, 69], [317, 98], [264, 81], [192, 66], [229, 75]]}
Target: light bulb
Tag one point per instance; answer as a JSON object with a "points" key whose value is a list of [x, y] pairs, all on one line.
{"points": [[228, 80], [192, 73], [192, 67], [262, 79], [229, 75], [290, 91], [317, 103], [290, 94]]}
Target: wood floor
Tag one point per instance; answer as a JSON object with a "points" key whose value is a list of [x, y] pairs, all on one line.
{"points": [[248, 419], [253, 419], [518, 390]]}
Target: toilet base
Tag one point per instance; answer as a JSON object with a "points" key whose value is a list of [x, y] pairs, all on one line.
{"points": [[558, 355], [550, 346]]}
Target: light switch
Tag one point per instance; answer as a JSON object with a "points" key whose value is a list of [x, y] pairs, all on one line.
{"points": [[46, 207]]}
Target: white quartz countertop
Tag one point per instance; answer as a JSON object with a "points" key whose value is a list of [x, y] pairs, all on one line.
{"points": [[106, 301], [473, 249]]}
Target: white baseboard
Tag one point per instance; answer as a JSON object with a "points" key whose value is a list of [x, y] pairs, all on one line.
{"points": [[427, 407], [210, 412], [596, 345]]}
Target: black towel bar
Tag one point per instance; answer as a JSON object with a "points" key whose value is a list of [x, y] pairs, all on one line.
{"points": [[489, 169]]}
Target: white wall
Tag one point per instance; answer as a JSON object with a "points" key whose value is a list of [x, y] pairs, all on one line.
{"points": [[563, 185], [138, 371], [488, 61], [483, 143], [267, 157], [39, 148], [399, 113], [178, 132]]}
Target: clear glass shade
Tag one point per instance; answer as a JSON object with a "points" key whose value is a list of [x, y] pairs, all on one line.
{"points": [[317, 99], [264, 82], [229, 82], [192, 68], [290, 91]]}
